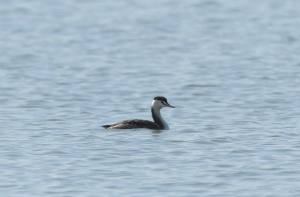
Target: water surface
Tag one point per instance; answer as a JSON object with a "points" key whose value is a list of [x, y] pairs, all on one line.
{"points": [[231, 68]]}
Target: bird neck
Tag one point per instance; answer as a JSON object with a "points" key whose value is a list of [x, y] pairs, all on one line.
{"points": [[158, 119]]}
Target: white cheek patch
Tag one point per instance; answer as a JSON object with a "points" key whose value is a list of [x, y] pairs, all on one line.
{"points": [[158, 104]]}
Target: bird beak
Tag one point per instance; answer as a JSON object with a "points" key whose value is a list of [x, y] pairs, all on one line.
{"points": [[168, 105]]}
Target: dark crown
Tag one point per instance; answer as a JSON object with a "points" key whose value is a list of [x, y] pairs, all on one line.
{"points": [[161, 98]]}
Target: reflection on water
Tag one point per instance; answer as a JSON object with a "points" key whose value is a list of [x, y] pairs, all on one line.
{"points": [[156, 132]]}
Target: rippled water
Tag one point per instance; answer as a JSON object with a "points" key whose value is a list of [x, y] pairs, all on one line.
{"points": [[231, 68]]}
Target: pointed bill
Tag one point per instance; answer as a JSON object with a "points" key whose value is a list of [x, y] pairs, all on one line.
{"points": [[168, 105]]}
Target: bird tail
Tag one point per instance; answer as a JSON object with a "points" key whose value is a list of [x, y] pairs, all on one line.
{"points": [[106, 126]]}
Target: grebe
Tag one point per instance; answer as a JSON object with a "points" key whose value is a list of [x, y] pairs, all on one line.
{"points": [[158, 124]]}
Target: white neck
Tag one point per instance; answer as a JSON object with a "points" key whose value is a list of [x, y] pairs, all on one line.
{"points": [[157, 116]]}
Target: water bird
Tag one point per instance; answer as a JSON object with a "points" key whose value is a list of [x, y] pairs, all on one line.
{"points": [[158, 124]]}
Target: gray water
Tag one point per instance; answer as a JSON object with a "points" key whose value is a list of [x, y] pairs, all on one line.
{"points": [[231, 68]]}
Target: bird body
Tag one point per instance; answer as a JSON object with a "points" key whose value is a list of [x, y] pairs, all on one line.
{"points": [[158, 124]]}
